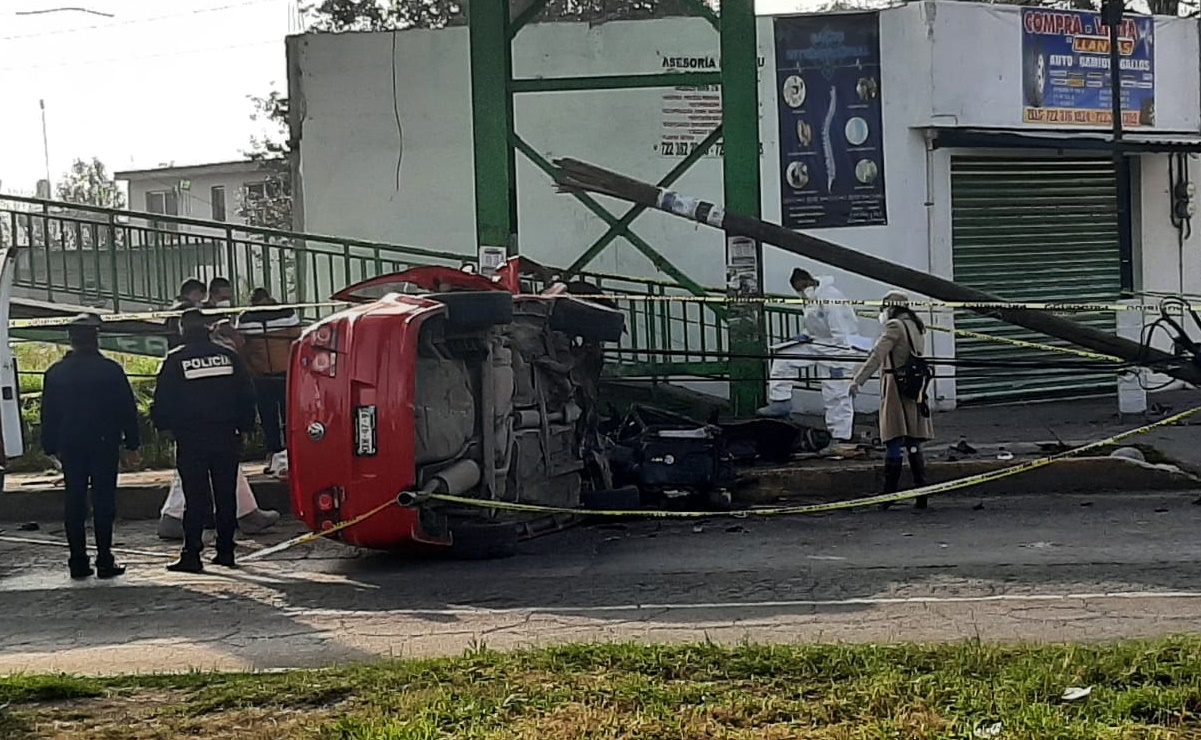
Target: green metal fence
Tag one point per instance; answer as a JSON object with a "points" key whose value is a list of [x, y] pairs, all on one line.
{"points": [[129, 261]]}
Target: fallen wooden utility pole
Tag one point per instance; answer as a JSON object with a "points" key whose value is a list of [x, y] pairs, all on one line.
{"points": [[574, 175]]}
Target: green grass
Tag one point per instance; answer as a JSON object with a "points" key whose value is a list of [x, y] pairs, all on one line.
{"points": [[157, 451], [702, 691]]}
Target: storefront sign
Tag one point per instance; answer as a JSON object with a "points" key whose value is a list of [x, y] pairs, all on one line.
{"points": [[1065, 69], [831, 125]]}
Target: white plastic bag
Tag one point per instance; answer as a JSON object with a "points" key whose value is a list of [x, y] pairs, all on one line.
{"points": [[279, 464]]}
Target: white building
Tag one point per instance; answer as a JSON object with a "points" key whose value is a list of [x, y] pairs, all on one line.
{"points": [[203, 191], [992, 173]]}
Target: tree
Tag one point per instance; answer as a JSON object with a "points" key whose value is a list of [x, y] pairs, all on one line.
{"points": [[88, 183], [339, 16], [269, 204]]}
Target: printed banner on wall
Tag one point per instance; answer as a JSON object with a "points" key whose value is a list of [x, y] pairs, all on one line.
{"points": [[831, 132], [1065, 69]]}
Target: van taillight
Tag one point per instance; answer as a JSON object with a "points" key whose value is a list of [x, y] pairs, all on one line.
{"points": [[319, 353], [326, 337], [326, 500], [324, 362], [327, 504]]}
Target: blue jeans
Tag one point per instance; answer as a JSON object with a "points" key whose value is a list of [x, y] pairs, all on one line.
{"points": [[894, 449]]}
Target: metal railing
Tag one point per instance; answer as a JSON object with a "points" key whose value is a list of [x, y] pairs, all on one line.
{"points": [[128, 261]]}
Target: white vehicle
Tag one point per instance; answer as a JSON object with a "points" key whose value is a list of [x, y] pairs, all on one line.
{"points": [[11, 436]]}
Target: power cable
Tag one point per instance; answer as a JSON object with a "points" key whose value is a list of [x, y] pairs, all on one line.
{"points": [[135, 21]]}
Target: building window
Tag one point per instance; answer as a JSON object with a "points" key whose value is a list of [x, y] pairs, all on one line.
{"points": [[217, 200], [165, 202]]}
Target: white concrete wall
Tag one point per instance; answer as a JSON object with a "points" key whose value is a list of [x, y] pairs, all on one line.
{"points": [[1164, 264], [351, 143]]}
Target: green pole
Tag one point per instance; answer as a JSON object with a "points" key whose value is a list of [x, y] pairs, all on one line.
{"points": [[492, 119], [740, 169]]}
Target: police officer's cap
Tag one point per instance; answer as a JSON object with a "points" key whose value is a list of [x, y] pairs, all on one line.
{"points": [[194, 318]]}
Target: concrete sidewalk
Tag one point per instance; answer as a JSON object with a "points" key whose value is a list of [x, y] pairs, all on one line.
{"points": [[1025, 428], [1027, 431]]}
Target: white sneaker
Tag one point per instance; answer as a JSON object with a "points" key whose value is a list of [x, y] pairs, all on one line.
{"points": [[278, 465], [259, 520]]}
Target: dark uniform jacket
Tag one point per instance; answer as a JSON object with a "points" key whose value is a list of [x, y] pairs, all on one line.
{"points": [[173, 338], [203, 392], [87, 401]]}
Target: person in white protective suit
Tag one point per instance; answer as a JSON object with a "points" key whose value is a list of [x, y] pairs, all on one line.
{"points": [[831, 330], [251, 519]]}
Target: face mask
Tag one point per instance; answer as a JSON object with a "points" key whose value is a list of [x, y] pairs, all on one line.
{"points": [[224, 304], [884, 317], [808, 291]]}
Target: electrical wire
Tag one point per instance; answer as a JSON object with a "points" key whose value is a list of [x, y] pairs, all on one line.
{"points": [[136, 21]]}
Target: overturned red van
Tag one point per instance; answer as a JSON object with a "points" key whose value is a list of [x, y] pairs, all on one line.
{"points": [[444, 381]]}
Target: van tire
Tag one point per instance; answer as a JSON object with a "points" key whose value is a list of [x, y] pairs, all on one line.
{"points": [[582, 318], [483, 540], [476, 309]]}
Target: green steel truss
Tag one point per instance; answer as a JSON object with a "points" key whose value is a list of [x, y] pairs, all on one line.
{"points": [[494, 27]]}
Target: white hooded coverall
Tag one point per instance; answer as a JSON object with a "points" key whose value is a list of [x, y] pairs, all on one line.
{"points": [[833, 331]]}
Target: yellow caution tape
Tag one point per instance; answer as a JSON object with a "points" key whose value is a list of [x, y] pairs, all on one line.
{"points": [[950, 305], [937, 488], [1028, 345], [1014, 342], [973, 480], [801, 302], [164, 314], [313, 536]]}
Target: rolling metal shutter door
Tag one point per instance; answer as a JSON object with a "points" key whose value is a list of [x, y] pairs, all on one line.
{"points": [[1032, 230]]}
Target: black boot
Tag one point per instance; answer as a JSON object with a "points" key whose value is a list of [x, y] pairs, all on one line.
{"points": [[189, 562], [80, 567], [917, 465], [225, 560], [106, 566], [892, 477]]}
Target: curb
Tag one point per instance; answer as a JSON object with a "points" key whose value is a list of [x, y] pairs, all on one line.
{"points": [[1072, 475], [793, 484], [133, 502]]}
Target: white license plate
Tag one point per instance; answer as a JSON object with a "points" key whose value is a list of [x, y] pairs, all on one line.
{"points": [[365, 425]]}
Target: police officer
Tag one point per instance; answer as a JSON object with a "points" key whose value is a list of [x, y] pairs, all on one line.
{"points": [[191, 295], [205, 399], [88, 409]]}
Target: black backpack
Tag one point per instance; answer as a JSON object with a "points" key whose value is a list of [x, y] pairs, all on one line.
{"points": [[912, 377]]}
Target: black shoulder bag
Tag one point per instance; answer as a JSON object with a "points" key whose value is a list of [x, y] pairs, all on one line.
{"points": [[912, 377]]}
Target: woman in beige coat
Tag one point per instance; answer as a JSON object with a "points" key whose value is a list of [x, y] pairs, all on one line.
{"points": [[904, 422]]}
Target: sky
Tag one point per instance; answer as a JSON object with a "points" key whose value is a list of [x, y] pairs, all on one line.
{"points": [[159, 82]]}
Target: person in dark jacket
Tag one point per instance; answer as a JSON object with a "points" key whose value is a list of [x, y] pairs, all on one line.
{"points": [[88, 410], [205, 399], [191, 295]]}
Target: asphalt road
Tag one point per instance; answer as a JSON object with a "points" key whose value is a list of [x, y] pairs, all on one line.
{"points": [[1012, 568]]}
